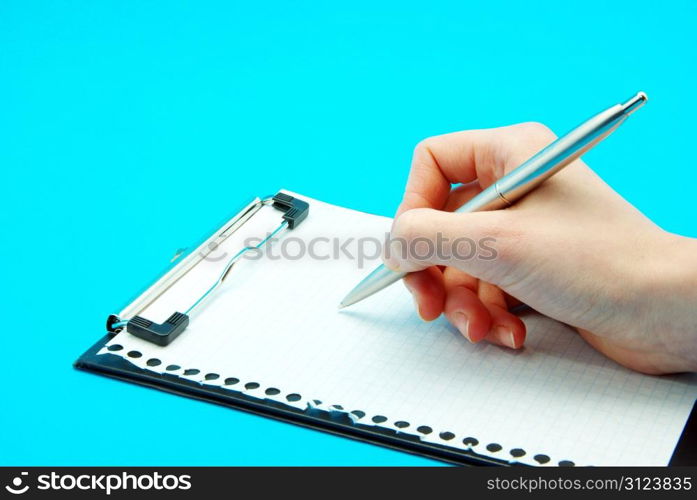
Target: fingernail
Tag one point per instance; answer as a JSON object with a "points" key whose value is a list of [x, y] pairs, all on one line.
{"points": [[462, 323], [391, 264], [416, 302], [391, 259], [506, 336], [418, 308]]}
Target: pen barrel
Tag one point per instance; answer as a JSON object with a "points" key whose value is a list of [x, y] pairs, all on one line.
{"points": [[559, 154], [489, 199]]}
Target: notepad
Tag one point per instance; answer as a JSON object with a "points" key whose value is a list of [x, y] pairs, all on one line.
{"points": [[273, 331]]}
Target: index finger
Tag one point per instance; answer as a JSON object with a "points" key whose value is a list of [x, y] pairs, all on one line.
{"points": [[440, 161], [471, 155]]}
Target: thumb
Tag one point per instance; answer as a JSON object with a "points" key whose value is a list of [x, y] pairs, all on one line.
{"points": [[482, 244]]}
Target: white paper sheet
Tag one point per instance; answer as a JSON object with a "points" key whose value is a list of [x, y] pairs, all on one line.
{"points": [[275, 323]]}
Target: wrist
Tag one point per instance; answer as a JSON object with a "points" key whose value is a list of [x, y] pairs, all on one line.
{"points": [[670, 301]]}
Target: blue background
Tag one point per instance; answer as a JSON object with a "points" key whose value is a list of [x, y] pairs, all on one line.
{"points": [[128, 129]]}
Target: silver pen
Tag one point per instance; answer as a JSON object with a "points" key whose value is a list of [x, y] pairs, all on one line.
{"points": [[519, 182]]}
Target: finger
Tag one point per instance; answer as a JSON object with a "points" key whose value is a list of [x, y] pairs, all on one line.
{"points": [[462, 157], [428, 291], [490, 294], [463, 308], [486, 245], [506, 329], [439, 162]]}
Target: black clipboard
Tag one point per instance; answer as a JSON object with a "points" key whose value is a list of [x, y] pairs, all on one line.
{"points": [[335, 422]]}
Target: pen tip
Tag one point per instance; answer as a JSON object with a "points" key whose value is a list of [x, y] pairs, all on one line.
{"points": [[341, 306]]}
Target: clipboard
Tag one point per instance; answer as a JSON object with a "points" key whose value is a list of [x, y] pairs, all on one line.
{"points": [[292, 212]]}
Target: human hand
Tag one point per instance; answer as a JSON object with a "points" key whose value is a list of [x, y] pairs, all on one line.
{"points": [[573, 250]]}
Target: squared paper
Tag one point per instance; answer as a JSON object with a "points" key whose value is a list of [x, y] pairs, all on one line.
{"points": [[275, 323]]}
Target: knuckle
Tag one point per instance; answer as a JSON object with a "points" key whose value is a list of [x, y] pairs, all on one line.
{"points": [[423, 146], [407, 225], [536, 130]]}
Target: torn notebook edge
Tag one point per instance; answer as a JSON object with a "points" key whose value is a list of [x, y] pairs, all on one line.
{"points": [[252, 388], [334, 422]]}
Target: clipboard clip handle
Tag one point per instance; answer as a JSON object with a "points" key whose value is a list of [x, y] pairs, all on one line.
{"points": [[294, 212]]}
